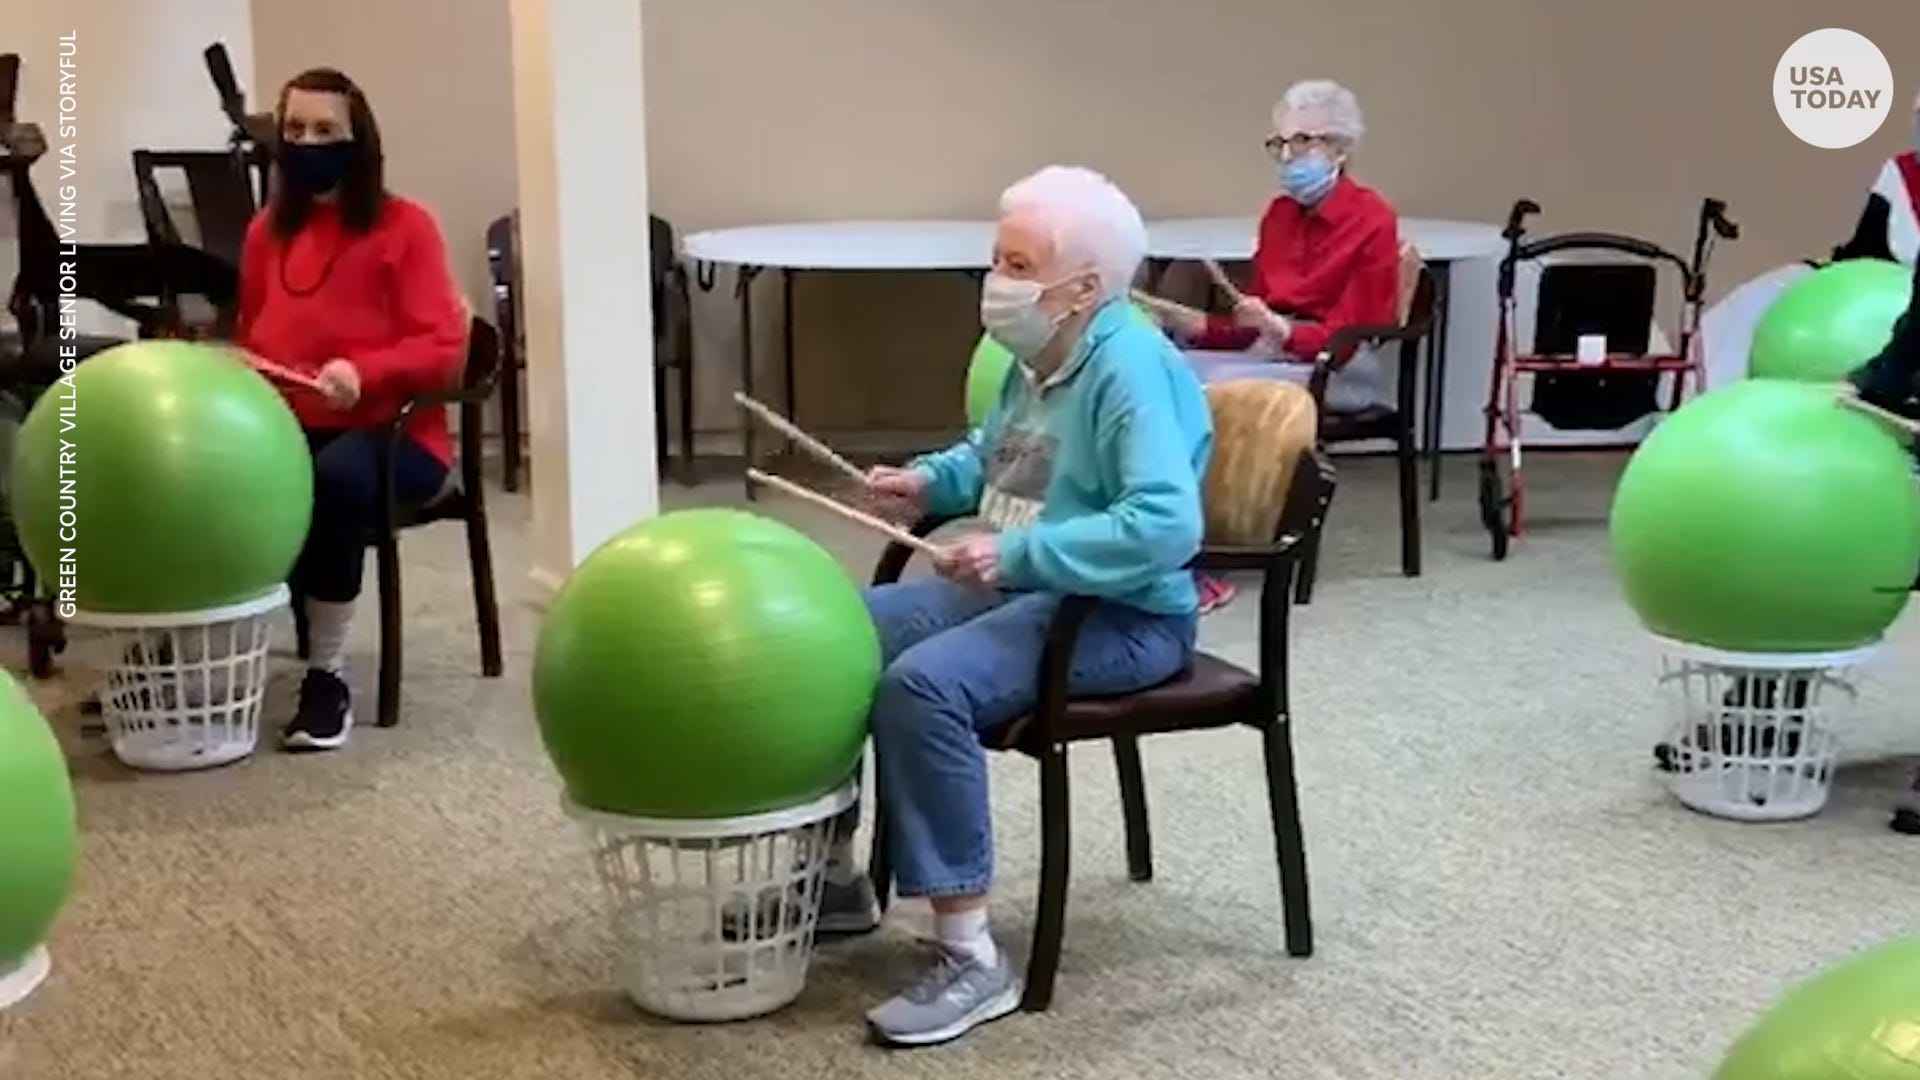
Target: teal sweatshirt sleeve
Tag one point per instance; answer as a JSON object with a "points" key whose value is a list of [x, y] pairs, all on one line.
{"points": [[955, 476], [1151, 529]]}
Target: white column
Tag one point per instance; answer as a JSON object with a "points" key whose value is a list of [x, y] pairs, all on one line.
{"points": [[580, 132]]}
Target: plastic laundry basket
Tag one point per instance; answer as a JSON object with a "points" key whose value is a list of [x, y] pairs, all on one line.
{"points": [[183, 689], [16, 985], [714, 919], [1754, 734]]}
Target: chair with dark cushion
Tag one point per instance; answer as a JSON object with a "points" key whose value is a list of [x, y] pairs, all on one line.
{"points": [[463, 499], [1212, 693], [1393, 423]]}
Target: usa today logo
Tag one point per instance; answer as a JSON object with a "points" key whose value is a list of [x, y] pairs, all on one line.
{"points": [[1833, 88]]}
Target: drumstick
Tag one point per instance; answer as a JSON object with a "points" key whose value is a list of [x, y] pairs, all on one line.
{"points": [[1164, 306], [288, 375], [1904, 423], [1221, 279], [887, 529], [807, 442]]}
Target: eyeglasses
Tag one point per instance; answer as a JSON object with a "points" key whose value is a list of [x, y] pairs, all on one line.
{"points": [[1283, 147]]}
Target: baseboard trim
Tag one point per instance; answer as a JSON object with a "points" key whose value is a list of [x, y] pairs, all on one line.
{"points": [[547, 585]]}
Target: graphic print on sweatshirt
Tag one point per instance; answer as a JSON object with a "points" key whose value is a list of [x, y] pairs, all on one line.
{"points": [[1019, 469]]}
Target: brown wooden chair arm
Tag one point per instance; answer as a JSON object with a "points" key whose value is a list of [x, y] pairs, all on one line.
{"points": [[1056, 663], [893, 561]]}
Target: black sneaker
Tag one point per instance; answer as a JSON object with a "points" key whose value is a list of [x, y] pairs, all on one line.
{"points": [[324, 717]]}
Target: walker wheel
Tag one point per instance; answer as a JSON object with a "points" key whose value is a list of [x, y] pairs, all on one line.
{"points": [[1493, 507]]}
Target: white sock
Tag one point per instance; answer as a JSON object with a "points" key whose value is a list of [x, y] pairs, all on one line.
{"points": [[965, 932], [327, 624]]}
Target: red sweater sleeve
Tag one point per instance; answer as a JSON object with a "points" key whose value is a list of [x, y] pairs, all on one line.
{"points": [[1370, 297], [431, 314]]}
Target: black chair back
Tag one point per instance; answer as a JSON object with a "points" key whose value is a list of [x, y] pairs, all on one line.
{"points": [[665, 259], [477, 382], [221, 191], [503, 271]]}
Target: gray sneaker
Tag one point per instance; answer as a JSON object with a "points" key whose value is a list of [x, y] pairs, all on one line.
{"points": [[952, 997], [846, 910]]}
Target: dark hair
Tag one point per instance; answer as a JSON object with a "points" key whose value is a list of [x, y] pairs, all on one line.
{"points": [[363, 192]]}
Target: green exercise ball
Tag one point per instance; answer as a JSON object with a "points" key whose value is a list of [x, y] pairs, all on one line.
{"points": [[38, 833], [188, 481], [1768, 517], [1831, 321], [1857, 1021], [705, 664], [987, 371]]}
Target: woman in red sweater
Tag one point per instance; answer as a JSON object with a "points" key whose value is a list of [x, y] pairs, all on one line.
{"points": [[1327, 256], [347, 283]]}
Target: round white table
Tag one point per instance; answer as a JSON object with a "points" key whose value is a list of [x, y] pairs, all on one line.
{"points": [[965, 246], [1232, 238], [849, 245], [1440, 242]]}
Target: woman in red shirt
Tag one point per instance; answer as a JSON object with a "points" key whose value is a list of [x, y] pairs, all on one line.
{"points": [[1327, 256], [349, 284]]}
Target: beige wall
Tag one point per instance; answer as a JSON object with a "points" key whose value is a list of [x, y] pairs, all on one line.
{"points": [[1616, 115]]}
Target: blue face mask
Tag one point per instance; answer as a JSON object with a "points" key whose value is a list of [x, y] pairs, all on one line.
{"points": [[1307, 179]]}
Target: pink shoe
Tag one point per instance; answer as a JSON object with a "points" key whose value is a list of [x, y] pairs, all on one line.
{"points": [[1215, 593]]}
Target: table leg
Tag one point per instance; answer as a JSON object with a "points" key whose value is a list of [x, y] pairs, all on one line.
{"points": [[743, 290], [791, 403], [1436, 403]]}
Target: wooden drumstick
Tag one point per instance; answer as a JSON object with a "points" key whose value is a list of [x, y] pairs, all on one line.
{"points": [[1164, 306], [1221, 279], [811, 445], [286, 375], [887, 529], [1853, 401]]}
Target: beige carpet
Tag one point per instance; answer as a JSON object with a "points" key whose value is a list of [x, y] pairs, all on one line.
{"points": [[1502, 889]]}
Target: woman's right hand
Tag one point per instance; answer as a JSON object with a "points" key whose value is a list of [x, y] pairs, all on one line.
{"points": [[897, 482], [897, 495]]}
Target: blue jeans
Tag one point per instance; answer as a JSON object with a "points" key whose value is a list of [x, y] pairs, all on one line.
{"points": [[346, 497], [960, 663]]}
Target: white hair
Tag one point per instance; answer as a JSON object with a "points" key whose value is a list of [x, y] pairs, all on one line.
{"points": [[1324, 96], [1093, 222]]}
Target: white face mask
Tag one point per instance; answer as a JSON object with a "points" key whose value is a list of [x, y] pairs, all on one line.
{"points": [[1010, 312]]}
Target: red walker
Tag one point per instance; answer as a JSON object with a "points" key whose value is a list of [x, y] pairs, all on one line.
{"points": [[1502, 485]]}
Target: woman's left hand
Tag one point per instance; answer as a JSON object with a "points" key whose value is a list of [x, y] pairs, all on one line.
{"points": [[339, 383], [973, 559]]}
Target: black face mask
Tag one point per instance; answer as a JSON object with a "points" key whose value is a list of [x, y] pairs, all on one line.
{"points": [[317, 168]]}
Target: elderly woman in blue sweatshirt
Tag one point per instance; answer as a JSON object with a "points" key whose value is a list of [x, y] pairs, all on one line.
{"points": [[1085, 479]]}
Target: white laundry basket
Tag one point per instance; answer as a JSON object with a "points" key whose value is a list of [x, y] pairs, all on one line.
{"points": [[16, 985], [183, 689], [714, 919], [1754, 734]]}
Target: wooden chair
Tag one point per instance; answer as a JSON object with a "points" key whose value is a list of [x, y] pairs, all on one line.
{"points": [[672, 343], [1389, 423], [503, 272], [1212, 693], [462, 500]]}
